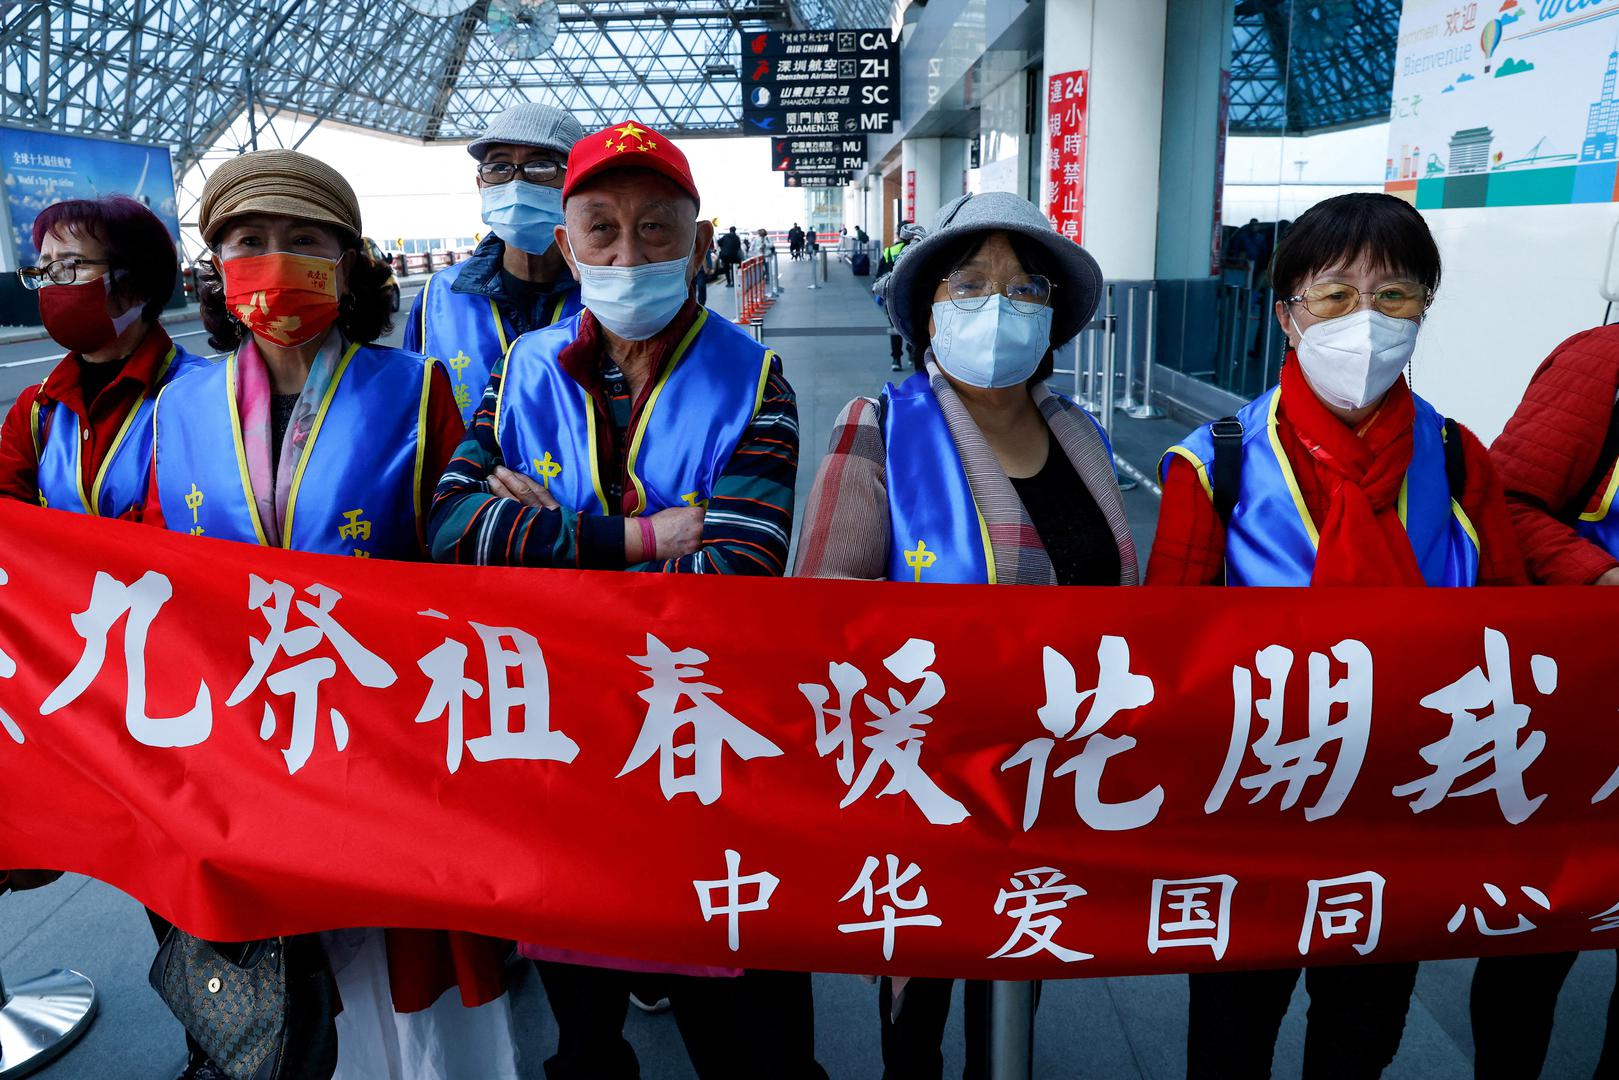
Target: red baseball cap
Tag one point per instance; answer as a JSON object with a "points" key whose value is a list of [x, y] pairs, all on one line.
{"points": [[629, 145]]}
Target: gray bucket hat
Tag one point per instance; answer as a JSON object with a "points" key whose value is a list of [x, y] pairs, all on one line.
{"points": [[531, 123], [1075, 275]]}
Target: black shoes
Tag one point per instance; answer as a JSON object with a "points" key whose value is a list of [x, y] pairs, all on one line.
{"points": [[200, 1068]]}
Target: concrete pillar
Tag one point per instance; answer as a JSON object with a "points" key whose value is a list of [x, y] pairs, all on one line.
{"points": [[1122, 46], [1005, 145], [1196, 59], [854, 207], [952, 169], [874, 207], [921, 157]]}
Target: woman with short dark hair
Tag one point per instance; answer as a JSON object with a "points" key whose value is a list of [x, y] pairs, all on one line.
{"points": [[971, 471], [1343, 476], [81, 439]]}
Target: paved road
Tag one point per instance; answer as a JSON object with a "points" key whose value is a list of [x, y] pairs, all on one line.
{"points": [[23, 363]]}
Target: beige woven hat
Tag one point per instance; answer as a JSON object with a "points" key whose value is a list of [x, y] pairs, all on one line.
{"points": [[277, 182]]}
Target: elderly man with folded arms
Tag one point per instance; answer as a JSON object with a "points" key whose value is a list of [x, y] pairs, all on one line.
{"points": [[646, 433]]}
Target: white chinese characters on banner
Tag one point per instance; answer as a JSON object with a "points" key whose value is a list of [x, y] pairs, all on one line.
{"points": [[111, 600], [1290, 763], [1498, 896], [712, 728], [8, 668], [1349, 906], [1034, 901], [1485, 724], [734, 903], [1117, 690], [894, 901], [897, 729], [1609, 786], [1190, 912], [274, 600], [504, 648]]}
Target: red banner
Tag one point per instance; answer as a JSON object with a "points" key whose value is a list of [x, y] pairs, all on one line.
{"points": [[811, 775], [1067, 96]]}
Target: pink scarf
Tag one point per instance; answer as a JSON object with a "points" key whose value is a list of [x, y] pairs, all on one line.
{"points": [[272, 484]]}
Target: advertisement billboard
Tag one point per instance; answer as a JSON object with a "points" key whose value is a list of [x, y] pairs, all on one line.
{"points": [[1502, 103], [44, 167]]}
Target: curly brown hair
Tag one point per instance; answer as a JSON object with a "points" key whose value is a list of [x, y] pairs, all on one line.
{"points": [[365, 311]]}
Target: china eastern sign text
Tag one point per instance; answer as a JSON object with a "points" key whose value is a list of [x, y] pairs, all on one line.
{"points": [[819, 82]]}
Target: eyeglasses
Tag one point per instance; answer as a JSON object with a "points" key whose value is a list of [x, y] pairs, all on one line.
{"points": [[1334, 299], [60, 272], [969, 290], [535, 172]]}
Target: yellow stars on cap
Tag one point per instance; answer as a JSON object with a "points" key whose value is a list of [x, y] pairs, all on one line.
{"points": [[629, 131]]}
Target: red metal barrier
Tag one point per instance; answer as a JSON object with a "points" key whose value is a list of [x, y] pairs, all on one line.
{"points": [[753, 294]]}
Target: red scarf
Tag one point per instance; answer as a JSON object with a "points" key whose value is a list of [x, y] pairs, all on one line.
{"points": [[1356, 476]]}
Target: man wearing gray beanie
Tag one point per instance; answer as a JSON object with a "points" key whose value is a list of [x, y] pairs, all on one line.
{"points": [[516, 281]]}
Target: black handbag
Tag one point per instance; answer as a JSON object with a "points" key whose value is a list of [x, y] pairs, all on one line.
{"points": [[264, 1013]]}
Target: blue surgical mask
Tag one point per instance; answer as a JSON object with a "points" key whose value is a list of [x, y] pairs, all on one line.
{"points": [[634, 302], [996, 345], [524, 215]]}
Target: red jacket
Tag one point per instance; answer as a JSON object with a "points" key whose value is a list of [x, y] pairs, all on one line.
{"points": [[1548, 452], [1189, 545], [102, 418]]}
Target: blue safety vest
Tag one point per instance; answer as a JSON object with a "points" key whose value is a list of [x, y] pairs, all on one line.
{"points": [[126, 471], [697, 412], [357, 488], [466, 332], [1270, 539], [935, 532], [1601, 526]]}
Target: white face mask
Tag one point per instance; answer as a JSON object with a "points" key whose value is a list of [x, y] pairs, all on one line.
{"points": [[634, 302], [994, 346], [1352, 361]]}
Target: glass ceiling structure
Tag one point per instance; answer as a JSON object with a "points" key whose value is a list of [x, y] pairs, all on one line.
{"points": [[1299, 66], [184, 73]]}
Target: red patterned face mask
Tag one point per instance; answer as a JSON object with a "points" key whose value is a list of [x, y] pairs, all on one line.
{"points": [[284, 298]]}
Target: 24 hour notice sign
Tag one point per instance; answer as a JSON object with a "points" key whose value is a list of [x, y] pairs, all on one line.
{"points": [[1064, 202]]}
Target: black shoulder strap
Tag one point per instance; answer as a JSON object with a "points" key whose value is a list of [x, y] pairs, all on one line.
{"points": [[1227, 433], [1455, 459], [1605, 461]]}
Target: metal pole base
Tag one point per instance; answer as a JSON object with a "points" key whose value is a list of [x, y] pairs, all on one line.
{"points": [[41, 1018], [1144, 412], [1011, 1031]]}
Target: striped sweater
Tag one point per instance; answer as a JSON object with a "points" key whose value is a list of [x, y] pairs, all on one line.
{"points": [[750, 515]]}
